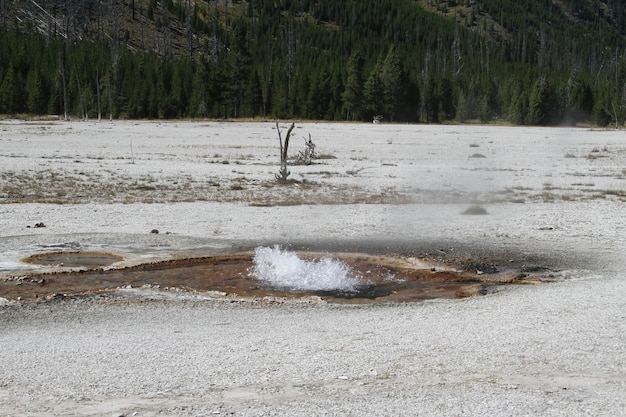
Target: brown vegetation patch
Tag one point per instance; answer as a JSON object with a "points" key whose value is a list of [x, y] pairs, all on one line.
{"points": [[107, 187]]}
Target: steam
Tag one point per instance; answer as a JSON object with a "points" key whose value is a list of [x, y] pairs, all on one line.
{"points": [[284, 269]]}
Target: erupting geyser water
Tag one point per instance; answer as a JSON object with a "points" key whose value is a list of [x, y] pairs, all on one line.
{"points": [[284, 269]]}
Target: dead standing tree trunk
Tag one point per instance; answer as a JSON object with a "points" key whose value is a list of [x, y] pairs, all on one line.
{"points": [[284, 171]]}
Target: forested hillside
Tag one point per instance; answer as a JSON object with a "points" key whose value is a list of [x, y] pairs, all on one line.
{"points": [[527, 62]]}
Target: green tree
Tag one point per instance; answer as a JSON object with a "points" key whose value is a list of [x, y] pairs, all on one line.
{"points": [[391, 78], [353, 94], [182, 79], [239, 71], [514, 97], [374, 91], [38, 92], [446, 90], [11, 93], [578, 100], [603, 113], [318, 99], [198, 106], [542, 103]]}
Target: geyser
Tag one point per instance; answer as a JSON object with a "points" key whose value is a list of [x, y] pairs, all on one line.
{"points": [[285, 270], [267, 273]]}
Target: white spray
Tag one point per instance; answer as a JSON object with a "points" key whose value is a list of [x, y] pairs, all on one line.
{"points": [[284, 269]]}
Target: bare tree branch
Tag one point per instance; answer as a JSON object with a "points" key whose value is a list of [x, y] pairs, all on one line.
{"points": [[284, 171]]}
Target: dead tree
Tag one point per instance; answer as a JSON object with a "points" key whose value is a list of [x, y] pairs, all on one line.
{"points": [[99, 86], [284, 171], [64, 83], [306, 157]]}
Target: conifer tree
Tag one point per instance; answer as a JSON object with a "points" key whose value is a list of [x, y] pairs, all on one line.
{"points": [[198, 106], [373, 91], [542, 103], [11, 93], [353, 94], [518, 104], [391, 79], [319, 97], [37, 92]]}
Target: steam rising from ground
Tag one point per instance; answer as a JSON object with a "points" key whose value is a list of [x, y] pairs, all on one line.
{"points": [[284, 269]]}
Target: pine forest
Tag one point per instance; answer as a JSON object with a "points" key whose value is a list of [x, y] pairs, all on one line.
{"points": [[541, 62]]}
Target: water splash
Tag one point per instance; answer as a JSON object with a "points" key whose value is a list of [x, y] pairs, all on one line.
{"points": [[284, 269]]}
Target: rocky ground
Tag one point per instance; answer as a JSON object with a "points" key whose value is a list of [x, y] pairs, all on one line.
{"points": [[550, 198]]}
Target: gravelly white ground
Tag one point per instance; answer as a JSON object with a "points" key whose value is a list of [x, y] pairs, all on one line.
{"points": [[556, 349]]}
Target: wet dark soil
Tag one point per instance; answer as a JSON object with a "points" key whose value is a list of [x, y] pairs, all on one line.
{"points": [[384, 278]]}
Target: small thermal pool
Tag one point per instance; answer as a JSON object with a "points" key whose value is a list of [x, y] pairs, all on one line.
{"points": [[74, 259], [267, 273]]}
